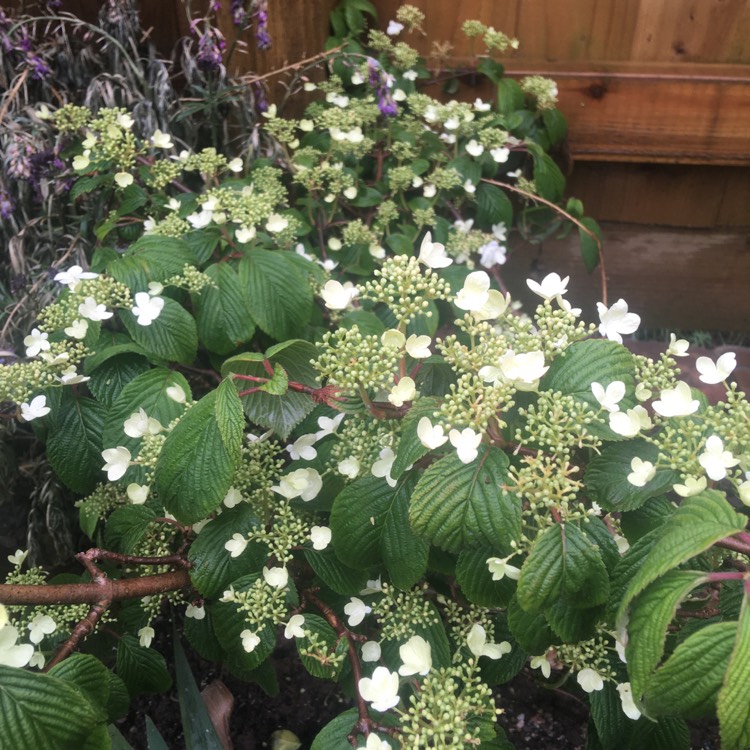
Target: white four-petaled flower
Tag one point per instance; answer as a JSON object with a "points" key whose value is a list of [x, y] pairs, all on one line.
{"points": [[145, 636], [139, 424], [293, 628], [676, 402], [715, 460], [117, 461], [73, 276], [302, 483], [338, 296], [249, 640], [41, 626], [147, 308], [236, 545], [477, 643], [551, 286], [37, 408], [641, 472], [500, 568], [276, 577], [616, 320], [303, 447], [161, 140], [430, 436], [381, 689], [630, 422], [416, 657], [91, 310], [715, 372], [590, 680], [356, 610], [12, 655], [541, 662], [433, 254], [36, 342], [691, 486], [382, 467], [609, 397], [418, 347], [405, 390], [475, 292], [628, 704], [466, 442], [320, 536]]}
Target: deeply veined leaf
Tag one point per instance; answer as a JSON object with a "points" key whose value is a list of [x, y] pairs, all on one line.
{"points": [[200, 455], [456, 506], [370, 526], [222, 311], [313, 660], [493, 206], [563, 562], [143, 670], [126, 527], [689, 681], [572, 624], [612, 726], [651, 613], [89, 675], [698, 523], [172, 337], [733, 705], [213, 568], [334, 735], [333, 573], [281, 413], [475, 580], [410, 448], [41, 712], [108, 380], [278, 294], [548, 179], [152, 258], [74, 441], [666, 734], [589, 244], [530, 629]]}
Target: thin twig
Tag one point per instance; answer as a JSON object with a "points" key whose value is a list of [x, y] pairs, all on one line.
{"points": [[293, 66]]}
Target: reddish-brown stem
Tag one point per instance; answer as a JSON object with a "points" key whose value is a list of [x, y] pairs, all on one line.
{"points": [[83, 629], [569, 217], [102, 554], [735, 544], [91, 593], [722, 576]]}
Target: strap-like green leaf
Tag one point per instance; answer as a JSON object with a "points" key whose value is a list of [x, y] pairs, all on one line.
{"points": [[41, 712], [698, 523], [200, 455], [689, 681], [563, 562], [650, 615], [456, 506], [733, 703]]}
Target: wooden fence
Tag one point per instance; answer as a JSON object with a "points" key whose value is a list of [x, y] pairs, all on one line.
{"points": [[657, 97]]}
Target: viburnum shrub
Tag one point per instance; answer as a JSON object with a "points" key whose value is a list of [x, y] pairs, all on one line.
{"points": [[423, 487]]}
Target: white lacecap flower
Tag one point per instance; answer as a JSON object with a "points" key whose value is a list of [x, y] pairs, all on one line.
{"points": [[393, 339], [249, 640], [350, 193], [410, 75], [235, 165], [743, 492], [328, 425], [147, 308], [338, 296], [176, 393], [628, 704], [523, 369], [36, 342], [371, 651], [161, 140], [303, 448], [590, 680], [38, 660], [418, 347], [35, 409], [375, 743], [349, 467], [69, 376], [232, 498], [244, 234], [12, 655], [54, 359], [196, 612], [477, 643], [320, 536], [91, 310], [609, 397], [430, 436], [630, 422], [236, 545], [276, 578], [372, 587], [405, 390], [474, 293], [200, 220], [294, 628], [616, 320], [430, 191], [302, 483], [500, 155], [117, 461], [335, 244], [137, 493], [715, 460], [641, 472], [73, 276], [470, 187], [541, 662], [124, 179], [691, 486], [394, 28], [474, 148], [81, 161], [494, 307], [677, 347], [18, 557], [716, 372], [482, 106], [466, 442], [77, 329], [382, 467], [416, 657], [432, 254], [551, 286], [277, 223], [139, 424], [500, 568], [492, 254], [41, 626], [381, 689], [145, 636], [356, 610], [676, 402]]}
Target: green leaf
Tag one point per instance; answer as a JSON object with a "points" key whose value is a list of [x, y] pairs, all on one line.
{"points": [[493, 205], [697, 524], [410, 448], [172, 336], [650, 615], [589, 244], [530, 629], [152, 258], [117, 740], [330, 642], [127, 526], [457, 506], [606, 477], [118, 702], [666, 734], [201, 635], [203, 243], [600, 535], [475, 580], [733, 705], [689, 681], [74, 442], [510, 96], [197, 463], [147, 391], [41, 712], [222, 311], [279, 413], [198, 731], [278, 294], [563, 562], [154, 739], [637, 523], [491, 68], [549, 180], [612, 726], [334, 574], [555, 124], [572, 624], [143, 670], [334, 735], [89, 675], [370, 526], [108, 380], [213, 568]]}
